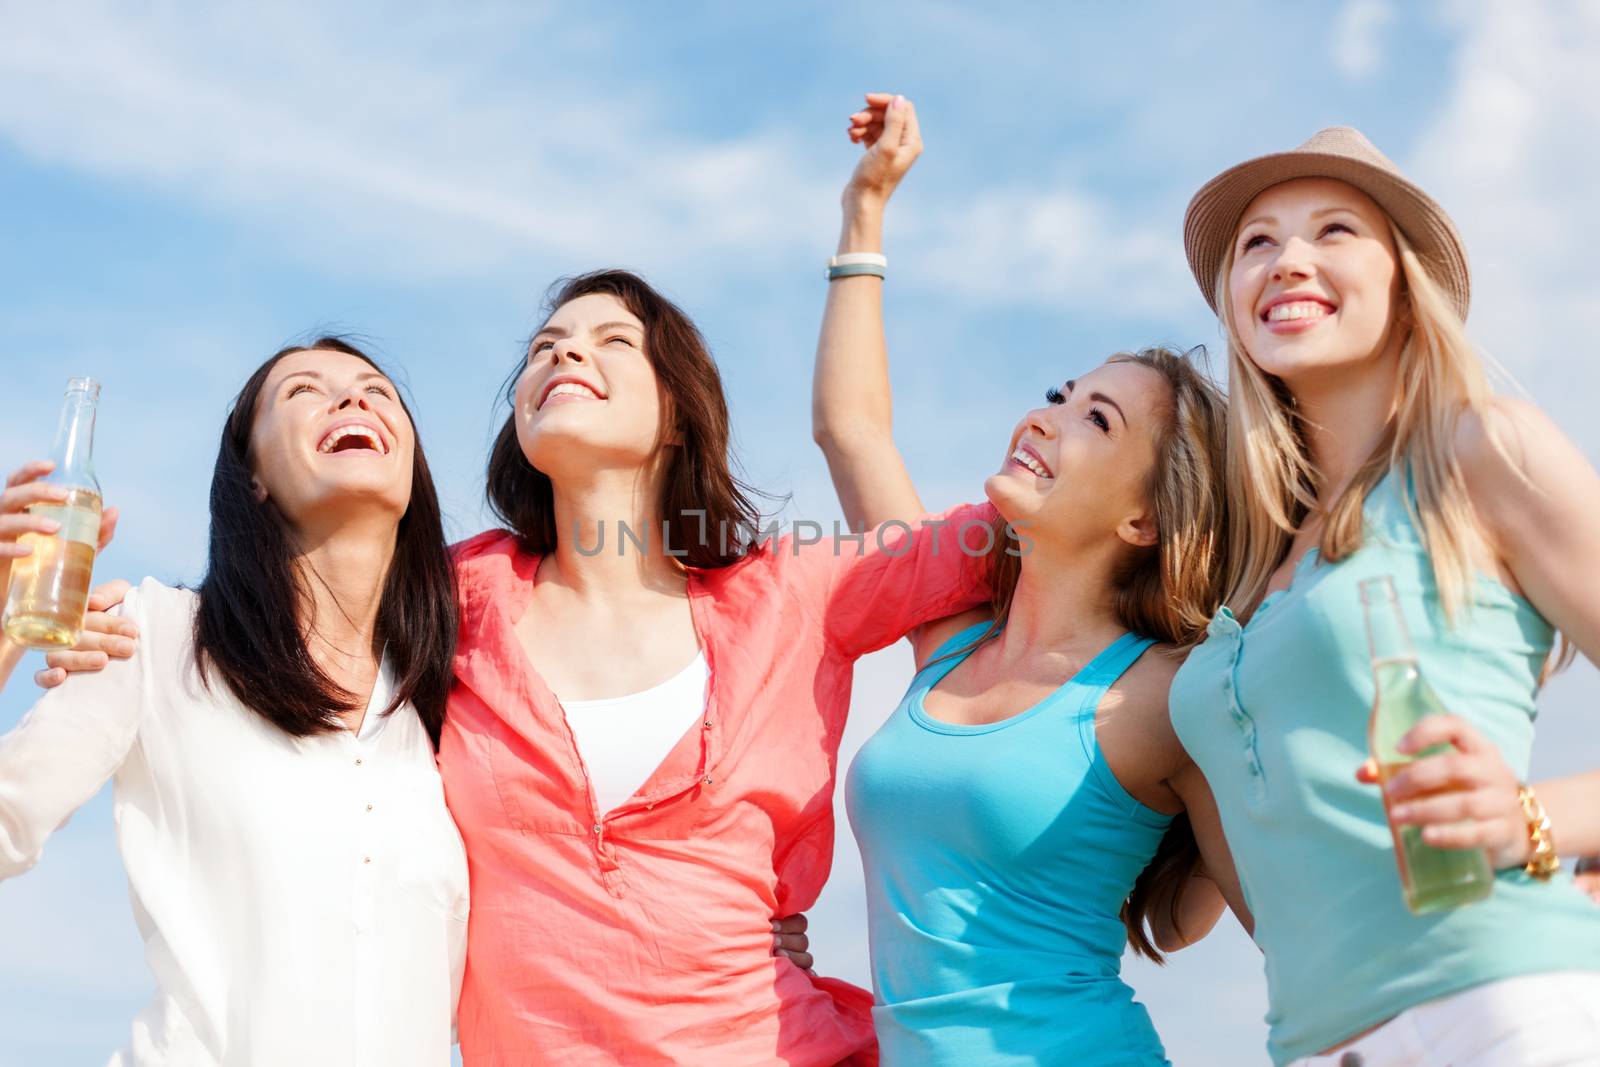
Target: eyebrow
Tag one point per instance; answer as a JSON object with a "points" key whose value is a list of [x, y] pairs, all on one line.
{"points": [[363, 377], [1273, 219], [1101, 398], [556, 331]]}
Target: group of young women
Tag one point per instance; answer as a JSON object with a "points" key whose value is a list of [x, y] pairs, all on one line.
{"points": [[1141, 694]]}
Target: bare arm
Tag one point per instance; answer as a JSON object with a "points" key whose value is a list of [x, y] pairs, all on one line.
{"points": [[1217, 883], [1538, 500], [851, 411]]}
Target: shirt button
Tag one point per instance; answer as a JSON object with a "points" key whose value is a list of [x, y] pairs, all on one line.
{"points": [[366, 859], [707, 724], [596, 827], [358, 761], [369, 807]]}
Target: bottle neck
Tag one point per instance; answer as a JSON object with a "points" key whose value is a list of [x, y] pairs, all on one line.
{"points": [[74, 449], [1387, 636]]}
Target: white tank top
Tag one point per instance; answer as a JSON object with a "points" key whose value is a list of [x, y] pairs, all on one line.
{"points": [[624, 739]]}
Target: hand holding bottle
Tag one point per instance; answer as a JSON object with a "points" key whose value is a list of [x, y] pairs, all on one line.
{"points": [[1465, 797], [23, 490], [106, 637]]}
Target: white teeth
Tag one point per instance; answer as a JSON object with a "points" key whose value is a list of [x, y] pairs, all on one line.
{"points": [[1029, 462], [1299, 309], [571, 389], [331, 442]]}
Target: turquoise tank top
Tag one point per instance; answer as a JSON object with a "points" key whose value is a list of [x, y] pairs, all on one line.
{"points": [[1275, 711], [997, 858]]}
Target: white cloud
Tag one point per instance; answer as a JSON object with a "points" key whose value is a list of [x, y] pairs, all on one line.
{"points": [[1356, 45], [387, 150], [1052, 247], [1512, 157]]}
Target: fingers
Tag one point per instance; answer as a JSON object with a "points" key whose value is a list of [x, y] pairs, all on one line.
{"points": [[1486, 835], [790, 924], [1451, 808], [789, 939], [1433, 774], [29, 472], [802, 960], [1443, 730], [107, 596], [1589, 883], [19, 497], [49, 678], [110, 634], [71, 661], [108, 525]]}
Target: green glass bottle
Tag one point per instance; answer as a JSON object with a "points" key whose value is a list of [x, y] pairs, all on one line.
{"points": [[1432, 879]]}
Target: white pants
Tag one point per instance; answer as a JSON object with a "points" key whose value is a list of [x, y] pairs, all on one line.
{"points": [[1539, 1020]]}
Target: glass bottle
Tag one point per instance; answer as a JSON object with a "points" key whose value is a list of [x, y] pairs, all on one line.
{"points": [[50, 586], [1432, 879]]}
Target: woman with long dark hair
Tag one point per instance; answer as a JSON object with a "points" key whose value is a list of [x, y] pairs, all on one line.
{"points": [[297, 880], [641, 747], [1027, 811]]}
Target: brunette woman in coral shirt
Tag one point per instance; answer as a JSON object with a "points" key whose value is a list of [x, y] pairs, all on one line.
{"points": [[635, 931]]}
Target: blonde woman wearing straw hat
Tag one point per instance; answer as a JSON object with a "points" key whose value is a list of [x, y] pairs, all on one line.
{"points": [[1364, 442]]}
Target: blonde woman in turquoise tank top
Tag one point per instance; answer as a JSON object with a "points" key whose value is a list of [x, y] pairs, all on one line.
{"points": [[1364, 442], [1016, 813]]}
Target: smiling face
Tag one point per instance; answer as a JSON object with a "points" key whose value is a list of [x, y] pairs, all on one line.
{"points": [[1315, 279], [330, 435], [1077, 470], [589, 395]]}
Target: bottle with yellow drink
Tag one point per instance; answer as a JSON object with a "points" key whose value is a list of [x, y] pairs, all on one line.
{"points": [[50, 586], [1431, 878]]}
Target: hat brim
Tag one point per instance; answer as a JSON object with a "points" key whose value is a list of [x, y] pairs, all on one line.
{"points": [[1213, 216]]}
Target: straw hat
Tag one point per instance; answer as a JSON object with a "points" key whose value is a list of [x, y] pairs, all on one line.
{"points": [[1337, 152]]}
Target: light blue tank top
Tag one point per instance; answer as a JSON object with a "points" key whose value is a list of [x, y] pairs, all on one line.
{"points": [[997, 858], [1275, 712]]}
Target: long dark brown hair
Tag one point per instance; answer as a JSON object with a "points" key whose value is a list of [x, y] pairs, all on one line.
{"points": [[1168, 591], [256, 597], [701, 498]]}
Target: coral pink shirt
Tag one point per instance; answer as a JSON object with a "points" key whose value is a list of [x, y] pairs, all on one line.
{"points": [[641, 936]]}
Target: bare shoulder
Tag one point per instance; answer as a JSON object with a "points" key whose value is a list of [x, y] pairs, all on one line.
{"points": [[1506, 437], [1148, 682], [926, 639], [1518, 465], [1138, 701]]}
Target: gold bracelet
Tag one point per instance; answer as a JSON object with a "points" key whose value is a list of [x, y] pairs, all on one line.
{"points": [[1544, 862]]}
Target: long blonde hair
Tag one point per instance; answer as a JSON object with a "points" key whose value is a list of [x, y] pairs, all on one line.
{"points": [[1274, 484]]}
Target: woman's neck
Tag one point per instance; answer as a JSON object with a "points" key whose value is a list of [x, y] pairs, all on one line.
{"points": [[609, 538], [1345, 414], [345, 568], [1064, 603]]}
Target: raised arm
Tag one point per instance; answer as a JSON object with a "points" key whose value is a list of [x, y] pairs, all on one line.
{"points": [[62, 751], [851, 411]]}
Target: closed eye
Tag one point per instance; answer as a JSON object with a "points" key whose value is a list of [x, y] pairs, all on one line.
{"points": [[1333, 226], [297, 387], [619, 337], [1054, 396], [380, 390], [1254, 241]]}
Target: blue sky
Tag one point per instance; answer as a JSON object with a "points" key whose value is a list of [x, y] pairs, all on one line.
{"points": [[184, 188]]}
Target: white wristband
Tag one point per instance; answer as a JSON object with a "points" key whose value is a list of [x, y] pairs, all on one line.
{"points": [[855, 259]]}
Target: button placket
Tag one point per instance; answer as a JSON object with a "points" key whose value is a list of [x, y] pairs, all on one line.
{"points": [[1242, 719]]}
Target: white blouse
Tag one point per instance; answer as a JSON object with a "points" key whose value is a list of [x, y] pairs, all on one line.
{"points": [[622, 740], [303, 901]]}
